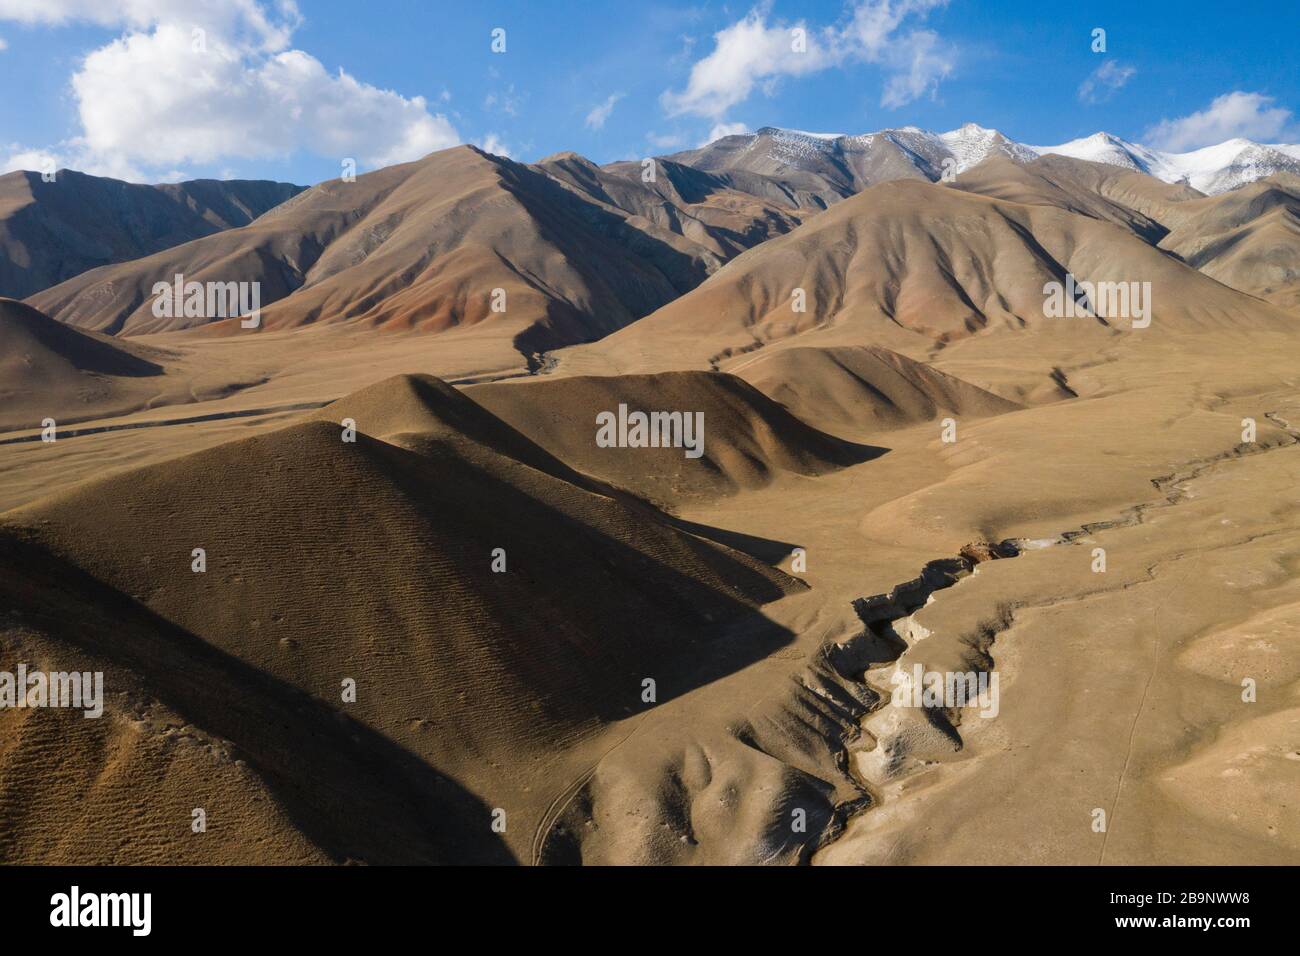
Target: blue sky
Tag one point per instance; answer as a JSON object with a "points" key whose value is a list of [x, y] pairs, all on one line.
{"points": [[120, 88]]}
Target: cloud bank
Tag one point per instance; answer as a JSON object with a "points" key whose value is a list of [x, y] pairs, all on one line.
{"points": [[755, 53], [205, 82]]}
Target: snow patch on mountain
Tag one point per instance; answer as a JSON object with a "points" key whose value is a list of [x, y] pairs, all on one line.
{"points": [[1213, 169], [966, 147], [973, 144]]}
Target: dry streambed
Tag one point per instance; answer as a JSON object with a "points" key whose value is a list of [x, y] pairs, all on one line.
{"points": [[1234, 766]]}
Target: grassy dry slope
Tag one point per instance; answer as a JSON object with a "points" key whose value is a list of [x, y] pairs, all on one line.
{"points": [[522, 691]]}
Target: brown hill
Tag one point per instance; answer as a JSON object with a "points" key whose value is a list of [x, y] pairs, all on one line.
{"points": [[708, 210], [415, 411], [419, 246], [915, 266], [329, 560], [816, 171], [48, 369], [1136, 201], [50, 232], [760, 164], [856, 391], [813, 173], [748, 439], [1248, 238]]}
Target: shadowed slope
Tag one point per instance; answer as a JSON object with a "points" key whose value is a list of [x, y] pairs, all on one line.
{"points": [[412, 410], [457, 239], [914, 266], [48, 369], [748, 439], [329, 561], [856, 391], [719, 217], [52, 231], [1138, 202], [1248, 238], [281, 776]]}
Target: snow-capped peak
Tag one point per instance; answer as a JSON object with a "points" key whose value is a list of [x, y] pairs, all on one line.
{"points": [[965, 147], [800, 132], [1212, 169], [972, 144], [1105, 148]]}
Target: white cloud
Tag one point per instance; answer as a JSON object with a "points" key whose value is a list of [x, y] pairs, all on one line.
{"points": [[744, 53], [751, 52], [724, 129], [596, 118], [248, 21], [158, 96], [876, 21], [4, 44], [496, 146], [1248, 115], [242, 19], [34, 160], [927, 61], [914, 61], [1102, 82], [149, 98], [73, 154]]}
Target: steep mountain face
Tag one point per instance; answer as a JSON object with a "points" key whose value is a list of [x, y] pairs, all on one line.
{"points": [[966, 147], [720, 217], [1248, 238], [1105, 148], [1101, 176], [818, 169], [1147, 206], [565, 251], [1079, 187], [458, 239], [814, 170], [52, 231]]}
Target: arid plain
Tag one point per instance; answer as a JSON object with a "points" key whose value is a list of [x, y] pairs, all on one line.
{"points": [[908, 460]]}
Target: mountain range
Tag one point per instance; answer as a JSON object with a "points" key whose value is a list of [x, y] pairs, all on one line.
{"points": [[580, 250], [826, 166], [527, 259], [364, 584]]}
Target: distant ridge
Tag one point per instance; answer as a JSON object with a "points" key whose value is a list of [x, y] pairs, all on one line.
{"points": [[422, 246], [831, 166], [53, 231]]}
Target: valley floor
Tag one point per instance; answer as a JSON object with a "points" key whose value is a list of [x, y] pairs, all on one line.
{"points": [[1126, 729]]}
